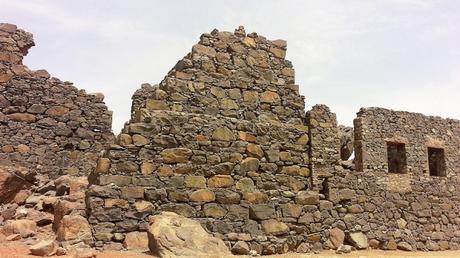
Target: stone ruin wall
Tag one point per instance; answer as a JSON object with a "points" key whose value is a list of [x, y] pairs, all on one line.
{"points": [[218, 165], [374, 127], [224, 139], [233, 75], [46, 125], [402, 210]]}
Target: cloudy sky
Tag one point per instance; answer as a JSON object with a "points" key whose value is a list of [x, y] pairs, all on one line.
{"points": [[398, 54]]}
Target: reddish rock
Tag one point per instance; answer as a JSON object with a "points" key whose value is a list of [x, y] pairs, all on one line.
{"points": [[136, 241], [337, 236], [74, 227], [22, 117]]}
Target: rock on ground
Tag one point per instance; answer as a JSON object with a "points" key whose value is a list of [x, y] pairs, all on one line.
{"points": [[136, 241], [171, 235], [359, 240], [23, 227], [43, 248], [74, 227], [337, 237]]}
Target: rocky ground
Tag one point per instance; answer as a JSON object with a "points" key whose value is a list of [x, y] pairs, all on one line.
{"points": [[19, 249]]}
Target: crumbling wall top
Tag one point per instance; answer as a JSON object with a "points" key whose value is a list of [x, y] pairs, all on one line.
{"points": [[235, 74], [14, 43]]}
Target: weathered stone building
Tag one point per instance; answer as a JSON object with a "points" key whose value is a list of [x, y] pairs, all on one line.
{"points": [[225, 139], [46, 125]]}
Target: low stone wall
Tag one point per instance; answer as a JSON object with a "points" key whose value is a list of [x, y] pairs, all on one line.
{"points": [[374, 127], [241, 180], [397, 211], [46, 125]]}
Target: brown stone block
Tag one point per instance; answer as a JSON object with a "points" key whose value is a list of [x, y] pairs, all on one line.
{"points": [[291, 210], [249, 42], [220, 181], [256, 197], [223, 134], [307, 198], [57, 111], [195, 181], [125, 139], [254, 150], [245, 136], [249, 164], [278, 52], [110, 203], [203, 50], [202, 195], [115, 179], [176, 155], [153, 104], [132, 192], [147, 168], [270, 97], [274, 227], [165, 171], [140, 140], [183, 76], [136, 241], [7, 27], [103, 166], [127, 166], [214, 210], [23, 149], [22, 117], [261, 211], [5, 77]]}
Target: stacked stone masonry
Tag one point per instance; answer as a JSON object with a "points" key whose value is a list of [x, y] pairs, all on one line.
{"points": [[224, 139], [375, 127], [233, 75], [209, 142], [46, 125]]}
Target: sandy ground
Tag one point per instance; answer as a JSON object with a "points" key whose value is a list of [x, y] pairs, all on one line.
{"points": [[18, 249]]}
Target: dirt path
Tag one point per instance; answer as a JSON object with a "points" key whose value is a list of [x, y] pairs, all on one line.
{"points": [[18, 249]]}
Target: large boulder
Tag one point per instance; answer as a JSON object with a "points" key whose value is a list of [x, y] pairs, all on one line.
{"points": [[171, 235]]}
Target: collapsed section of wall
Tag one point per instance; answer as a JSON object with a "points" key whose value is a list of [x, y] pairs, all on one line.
{"points": [[46, 125]]}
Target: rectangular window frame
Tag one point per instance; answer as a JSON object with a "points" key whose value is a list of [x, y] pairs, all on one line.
{"points": [[397, 164], [439, 169]]}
